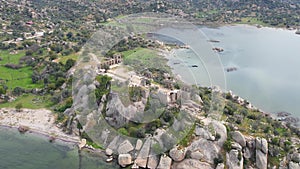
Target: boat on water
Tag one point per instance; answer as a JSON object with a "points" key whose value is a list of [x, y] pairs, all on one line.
{"points": [[231, 69], [298, 32], [218, 49], [194, 65], [214, 41]]}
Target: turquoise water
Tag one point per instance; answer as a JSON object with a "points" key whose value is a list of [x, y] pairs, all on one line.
{"points": [[29, 151], [267, 59]]}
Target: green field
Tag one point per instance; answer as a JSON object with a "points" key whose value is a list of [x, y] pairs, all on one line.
{"points": [[15, 77], [63, 59], [252, 21], [29, 101], [141, 58], [10, 58]]}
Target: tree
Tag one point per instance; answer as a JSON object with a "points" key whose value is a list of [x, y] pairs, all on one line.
{"points": [[18, 91], [29, 52], [2, 90], [19, 106], [35, 78], [69, 35], [70, 63]]}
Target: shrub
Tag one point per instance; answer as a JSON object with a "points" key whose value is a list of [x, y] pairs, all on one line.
{"points": [[218, 136], [227, 145], [123, 131], [19, 106], [218, 160]]}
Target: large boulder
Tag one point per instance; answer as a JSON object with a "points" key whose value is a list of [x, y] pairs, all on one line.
{"points": [[296, 157], [293, 165], [113, 145], [192, 164], [164, 163], [124, 160], [142, 157], [239, 138], [221, 130], [261, 144], [152, 161], [261, 160], [125, 147], [236, 146], [108, 152], [197, 155], [139, 144], [203, 133], [177, 155], [209, 150], [234, 160], [153, 158], [247, 153]]}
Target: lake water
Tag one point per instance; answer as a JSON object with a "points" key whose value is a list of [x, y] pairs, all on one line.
{"points": [[267, 59], [29, 151]]}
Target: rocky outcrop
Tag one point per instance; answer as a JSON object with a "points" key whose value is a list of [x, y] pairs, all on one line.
{"points": [[197, 155], [125, 147], [261, 146], [203, 133], [192, 164], [116, 112], [261, 160], [165, 162], [108, 152], [124, 160], [152, 161], [247, 153], [115, 143], [236, 146], [293, 165], [234, 160], [207, 148], [139, 144], [296, 157], [142, 157], [177, 155], [239, 138], [153, 158]]}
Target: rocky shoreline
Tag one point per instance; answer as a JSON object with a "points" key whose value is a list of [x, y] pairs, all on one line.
{"points": [[41, 122]]}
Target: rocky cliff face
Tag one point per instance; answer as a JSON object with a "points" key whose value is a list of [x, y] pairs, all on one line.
{"points": [[212, 143]]}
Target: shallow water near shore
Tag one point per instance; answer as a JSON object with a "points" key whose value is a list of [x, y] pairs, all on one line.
{"points": [[267, 62], [30, 151]]}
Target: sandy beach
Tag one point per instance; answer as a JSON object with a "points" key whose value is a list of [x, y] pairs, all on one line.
{"points": [[40, 121]]}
